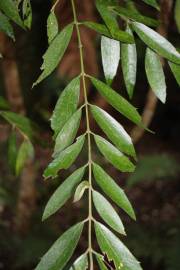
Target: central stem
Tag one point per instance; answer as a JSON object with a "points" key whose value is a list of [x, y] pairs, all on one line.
{"points": [[88, 135]]}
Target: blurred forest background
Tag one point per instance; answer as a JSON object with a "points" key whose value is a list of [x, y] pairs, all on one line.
{"points": [[154, 188]]}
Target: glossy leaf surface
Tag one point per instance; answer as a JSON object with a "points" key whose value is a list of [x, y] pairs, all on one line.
{"points": [[114, 131], [61, 251], [68, 133], [111, 189], [63, 193], [107, 212], [113, 155], [155, 74], [117, 101], [81, 263], [156, 42], [129, 65], [110, 53], [115, 249], [55, 52], [66, 105]]}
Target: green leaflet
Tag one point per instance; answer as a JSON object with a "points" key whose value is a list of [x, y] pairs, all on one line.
{"points": [[117, 101], [156, 42], [66, 105], [103, 30], [11, 11], [55, 52], [80, 190], [12, 151], [5, 26], [176, 71], [81, 263], [68, 133], [111, 189], [115, 249], [65, 159], [155, 74], [63, 192], [27, 13], [129, 64], [134, 15], [107, 212], [114, 131], [25, 153], [61, 251], [113, 155], [110, 53], [177, 14], [99, 259], [107, 16], [19, 121], [52, 26], [152, 3]]}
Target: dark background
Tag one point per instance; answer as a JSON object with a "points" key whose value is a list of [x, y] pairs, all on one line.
{"points": [[154, 188]]}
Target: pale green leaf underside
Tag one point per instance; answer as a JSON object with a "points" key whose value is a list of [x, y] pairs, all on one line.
{"points": [[107, 212], [65, 159], [61, 251], [80, 190], [101, 264], [114, 131], [63, 193], [115, 249], [110, 53], [155, 74], [113, 155], [112, 190], [66, 105], [129, 65], [156, 42]]}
